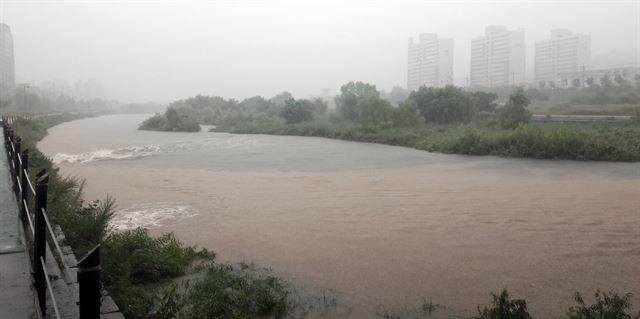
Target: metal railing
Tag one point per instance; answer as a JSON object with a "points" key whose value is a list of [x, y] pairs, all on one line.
{"points": [[88, 273]]}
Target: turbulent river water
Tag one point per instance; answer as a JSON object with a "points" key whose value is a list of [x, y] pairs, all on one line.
{"points": [[378, 228]]}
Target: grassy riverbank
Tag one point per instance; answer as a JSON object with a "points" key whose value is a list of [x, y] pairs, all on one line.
{"points": [[542, 141], [152, 277]]}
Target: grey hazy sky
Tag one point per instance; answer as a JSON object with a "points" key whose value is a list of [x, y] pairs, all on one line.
{"points": [[165, 50]]}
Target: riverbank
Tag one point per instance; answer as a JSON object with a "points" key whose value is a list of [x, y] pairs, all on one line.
{"points": [[541, 141], [147, 277]]}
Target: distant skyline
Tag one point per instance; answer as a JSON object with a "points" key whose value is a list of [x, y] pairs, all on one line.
{"points": [[166, 50]]}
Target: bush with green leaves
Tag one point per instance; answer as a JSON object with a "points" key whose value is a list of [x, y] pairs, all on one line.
{"points": [[296, 111], [608, 305], [407, 115], [134, 259], [228, 291], [504, 308], [177, 120], [515, 111], [444, 105]]}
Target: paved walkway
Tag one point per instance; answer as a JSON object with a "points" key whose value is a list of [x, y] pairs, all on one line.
{"points": [[16, 296]]}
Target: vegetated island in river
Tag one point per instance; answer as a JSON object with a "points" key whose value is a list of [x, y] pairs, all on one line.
{"points": [[446, 120]]}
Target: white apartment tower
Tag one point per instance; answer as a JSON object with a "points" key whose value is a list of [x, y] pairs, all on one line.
{"points": [[566, 52], [430, 62], [7, 75], [498, 58]]}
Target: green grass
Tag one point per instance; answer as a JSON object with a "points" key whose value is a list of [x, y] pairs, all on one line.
{"points": [[611, 109], [596, 142]]}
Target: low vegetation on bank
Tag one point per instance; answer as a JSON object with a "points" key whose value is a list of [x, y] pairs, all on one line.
{"points": [[542, 141], [606, 305], [152, 277], [447, 120]]}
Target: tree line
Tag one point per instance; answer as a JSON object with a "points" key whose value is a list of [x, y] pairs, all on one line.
{"points": [[358, 102]]}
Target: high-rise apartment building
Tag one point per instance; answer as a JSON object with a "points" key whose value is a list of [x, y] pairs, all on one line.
{"points": [[430, 62], [566, 52], [7, 71], [498, 58]]}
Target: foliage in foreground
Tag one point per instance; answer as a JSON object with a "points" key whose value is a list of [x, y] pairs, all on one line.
{"points": [[504, 308], [146, 277], [607, 305]]}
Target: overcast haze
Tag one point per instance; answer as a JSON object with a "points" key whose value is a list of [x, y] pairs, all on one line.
{"points": [[161, 51]]}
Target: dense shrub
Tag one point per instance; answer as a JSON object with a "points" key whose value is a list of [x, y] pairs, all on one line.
{"points": [[444, 105], [172, 120], [504, 308], [297, 111], [515, 112], [236, 292], [608, 305]]}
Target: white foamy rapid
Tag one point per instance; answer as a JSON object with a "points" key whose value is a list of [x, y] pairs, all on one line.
{"points": [[148, 215], [107, 154]]}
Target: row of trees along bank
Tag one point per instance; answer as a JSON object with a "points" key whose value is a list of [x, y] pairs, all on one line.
{"points": [[448, 120]]}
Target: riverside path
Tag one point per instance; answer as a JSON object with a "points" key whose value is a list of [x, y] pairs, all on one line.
{"points": [[16, 295]]}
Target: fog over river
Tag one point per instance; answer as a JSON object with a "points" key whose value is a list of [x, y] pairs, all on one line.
{"points": [[384, 228]]}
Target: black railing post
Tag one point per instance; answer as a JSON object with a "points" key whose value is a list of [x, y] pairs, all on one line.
{"points": [[9, 149], [16, 165], [24, 181], [40, 240], [89, 282]]}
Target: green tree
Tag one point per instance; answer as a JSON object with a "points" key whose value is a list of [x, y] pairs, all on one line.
{"points": [[620, 80], [444, 105], [605, 81], [575, 83], [407, 115], [296, 111], [515, 112], [353, 96], [173, 119], [375, 114], [281, 98], [484, 101]]}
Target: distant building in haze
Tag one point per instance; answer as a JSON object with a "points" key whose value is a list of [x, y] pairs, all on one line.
{"points": [[565, 53], [498, 58], [7, 66], [430, 62]]}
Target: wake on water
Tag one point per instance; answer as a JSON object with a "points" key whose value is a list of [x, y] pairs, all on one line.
{"points": [[107, 154]]}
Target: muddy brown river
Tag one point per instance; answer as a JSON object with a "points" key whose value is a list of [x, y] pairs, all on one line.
{"points": [[377, 227]]}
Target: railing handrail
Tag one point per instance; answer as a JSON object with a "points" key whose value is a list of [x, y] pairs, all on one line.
{"points": [[22, 186], [33, 232], [33, 190], [51, 294], [55, 242]]}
